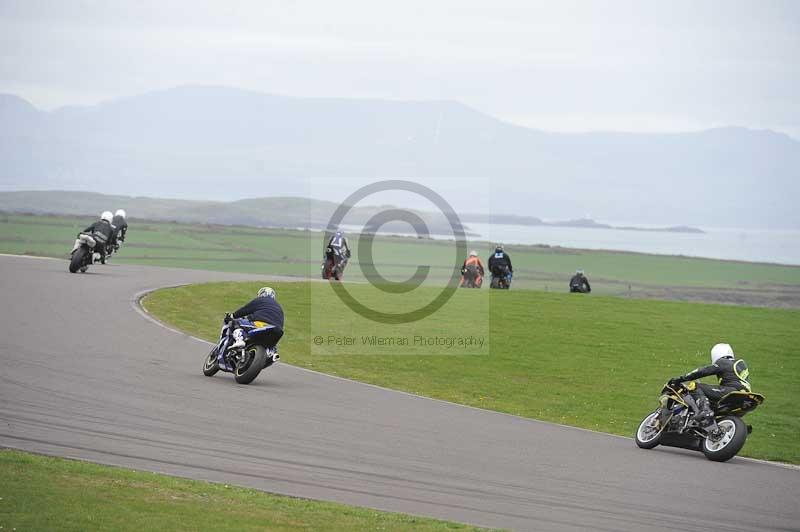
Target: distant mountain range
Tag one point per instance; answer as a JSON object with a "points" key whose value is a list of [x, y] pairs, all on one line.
{"points": [[286, 212], [223, 143]]}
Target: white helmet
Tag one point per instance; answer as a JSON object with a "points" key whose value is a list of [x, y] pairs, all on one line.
{"points": [[721, 351], [266, 291], [473, 253], [120, 212], [107, 216]]}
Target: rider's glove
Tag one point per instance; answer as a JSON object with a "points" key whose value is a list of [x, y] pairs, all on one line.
{"points": [[674, 381], [228, 318]]}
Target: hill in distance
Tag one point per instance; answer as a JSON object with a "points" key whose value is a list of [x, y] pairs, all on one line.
{"points": [[216, 142], [280, 212]]}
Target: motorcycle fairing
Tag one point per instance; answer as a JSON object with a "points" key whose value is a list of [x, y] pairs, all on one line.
{"points": [[738, 403]]}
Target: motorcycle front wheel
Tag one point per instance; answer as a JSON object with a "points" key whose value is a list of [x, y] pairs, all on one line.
{"points": [[648, 435], [211, 364]]}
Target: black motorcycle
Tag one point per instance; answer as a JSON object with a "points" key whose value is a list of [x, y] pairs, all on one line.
{"points": [[674, 423], [245, 362], [83, 254], [501, 277], [579, 287], [334, 265]]}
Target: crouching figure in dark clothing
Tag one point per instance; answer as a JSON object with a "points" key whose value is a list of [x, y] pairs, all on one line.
{"points": [[579, 283], [249, 339], [263, 311], [100, 233]]}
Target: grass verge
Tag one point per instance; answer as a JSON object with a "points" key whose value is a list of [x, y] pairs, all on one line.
{"points": [[588, 361], [44, 493], [299, 253]]}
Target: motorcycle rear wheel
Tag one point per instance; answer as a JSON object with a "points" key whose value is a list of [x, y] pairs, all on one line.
{"points": [[76, 262], [255, 360], [731, 442]]}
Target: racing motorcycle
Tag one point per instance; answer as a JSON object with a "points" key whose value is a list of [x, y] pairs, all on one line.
{"points": [[83, 253], [501, 277], [471, 277], [579, 287], [245, 362], [673, 423], [335, 262]]}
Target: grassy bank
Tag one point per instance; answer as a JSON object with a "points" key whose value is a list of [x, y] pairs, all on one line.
{"points": [[298, 253], [43, 493], [593, 362]]}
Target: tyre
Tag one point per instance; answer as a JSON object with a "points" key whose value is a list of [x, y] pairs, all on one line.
{"points": [[76, 262], [648, 435], [211, 364], [254, 361], [732, 441], [495, 282]]}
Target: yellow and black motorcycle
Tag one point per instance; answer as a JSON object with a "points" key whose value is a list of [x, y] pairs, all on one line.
{"points": [[673, 423]]}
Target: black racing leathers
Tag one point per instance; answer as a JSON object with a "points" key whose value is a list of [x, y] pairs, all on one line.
{"points": [[339, 243], [101, 231], [579, 283], [499, 258], [120, 229], [732, 375], [263, 309]]}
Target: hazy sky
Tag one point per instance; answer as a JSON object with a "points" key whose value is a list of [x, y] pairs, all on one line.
{"points": [[562, 66]]}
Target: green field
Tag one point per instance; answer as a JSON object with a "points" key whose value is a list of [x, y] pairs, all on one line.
{"points": [[298, 253], [594, 362], [42, 493]]}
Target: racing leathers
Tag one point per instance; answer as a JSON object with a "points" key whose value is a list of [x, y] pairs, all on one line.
{"points": [[101, 232], [500, 258], [472, 261], [266, 310], [579, 283], [120, 230], [732, 375]]}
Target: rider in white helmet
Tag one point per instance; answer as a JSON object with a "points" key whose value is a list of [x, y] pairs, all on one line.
{"points": [[120, 224], [579, 283], [263, 308], [473, 261], [732, 373], [101, 232]]}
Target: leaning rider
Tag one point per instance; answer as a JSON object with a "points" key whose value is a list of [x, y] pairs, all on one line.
{"points": [[732, 375], [101, 232], [120, 224], [264, 308], [500, 258], [579, 283], [472, 260], [338, 247]]}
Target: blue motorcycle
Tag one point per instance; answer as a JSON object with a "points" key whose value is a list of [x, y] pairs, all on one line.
{"points": [[244, 362]]}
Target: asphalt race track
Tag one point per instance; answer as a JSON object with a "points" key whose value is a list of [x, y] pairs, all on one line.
{"points": [[84, 375]]}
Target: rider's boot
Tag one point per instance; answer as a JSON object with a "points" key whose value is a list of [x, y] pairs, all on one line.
{"points": [[238, 338], [705, 416]]}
